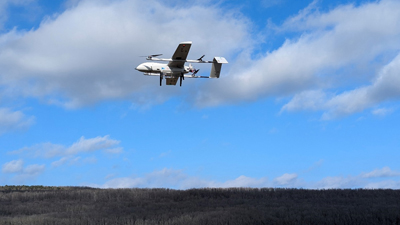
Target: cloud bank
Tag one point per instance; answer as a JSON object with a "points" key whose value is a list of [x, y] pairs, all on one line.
{"points": [[180, 180], [20, 173], [71, 154], [14, 166], [339, 48], [88, 54]]}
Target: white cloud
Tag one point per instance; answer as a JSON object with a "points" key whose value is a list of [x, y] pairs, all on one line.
{"points": [[14, 166], [243, 181], [123, 182], [21, 174], [362, 180], [31, 172], [46, 150], [34, 170], [315, 166], [306, 100], [118, 150], [387, 184], [382, 111], [17, 120], [385, 87], [71, 3], [60, 162], [178, 179], [92, 144], [169, 178], [286, 179], [384, 172], [109, 176], [335, 49], [339, 182], [70, 160], [83, 145], [88, 53]]}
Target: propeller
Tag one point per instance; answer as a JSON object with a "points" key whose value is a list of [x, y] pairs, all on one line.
{"points": [[149, 57], [201, 58], [194, 73]]}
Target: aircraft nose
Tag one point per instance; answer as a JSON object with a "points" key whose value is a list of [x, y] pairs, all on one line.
{"points": [[141, 67]]}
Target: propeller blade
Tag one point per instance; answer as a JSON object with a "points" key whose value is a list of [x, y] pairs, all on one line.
{"points": [[201, 58], [150, 56], [180, 81]]}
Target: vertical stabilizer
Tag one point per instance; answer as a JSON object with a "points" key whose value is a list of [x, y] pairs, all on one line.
{"points": [[216, 66]]}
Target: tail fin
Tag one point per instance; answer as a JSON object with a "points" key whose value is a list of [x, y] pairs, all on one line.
{"points": [[216, 66]]}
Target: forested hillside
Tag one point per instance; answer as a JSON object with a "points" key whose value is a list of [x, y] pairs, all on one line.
{"points": [[81, 205]]}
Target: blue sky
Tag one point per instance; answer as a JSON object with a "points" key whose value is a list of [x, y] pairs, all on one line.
{"points": [[309, 99]]}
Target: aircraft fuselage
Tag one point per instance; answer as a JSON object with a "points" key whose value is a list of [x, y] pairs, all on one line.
{"points": [[151, 68], [175, 68]]}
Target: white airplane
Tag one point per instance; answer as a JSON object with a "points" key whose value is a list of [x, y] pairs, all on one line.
{"points": [[176, 66]]}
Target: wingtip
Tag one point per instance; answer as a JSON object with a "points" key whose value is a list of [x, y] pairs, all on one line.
{"points": [[186, 42]]}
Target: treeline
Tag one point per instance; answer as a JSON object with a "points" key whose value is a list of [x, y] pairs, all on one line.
{"points": [[82, 205]]}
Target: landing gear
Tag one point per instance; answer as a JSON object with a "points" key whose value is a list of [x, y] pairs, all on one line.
{"points": [[181, 78]]}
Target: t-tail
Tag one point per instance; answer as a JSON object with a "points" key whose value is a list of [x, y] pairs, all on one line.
{"points": [[216, 66]]}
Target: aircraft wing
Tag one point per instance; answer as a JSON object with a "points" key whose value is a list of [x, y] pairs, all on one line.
{"points": [[180, 55]]}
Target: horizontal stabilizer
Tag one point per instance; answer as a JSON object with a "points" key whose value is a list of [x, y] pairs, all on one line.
{"points": [[220, 60]]}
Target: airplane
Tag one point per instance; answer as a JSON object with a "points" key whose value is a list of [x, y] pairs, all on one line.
{"points": [[176, 69]]}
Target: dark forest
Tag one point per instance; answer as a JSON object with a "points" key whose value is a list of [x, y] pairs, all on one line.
{"points": [[82, 205]]}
